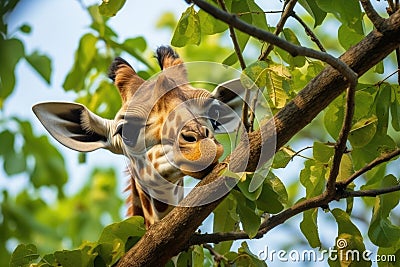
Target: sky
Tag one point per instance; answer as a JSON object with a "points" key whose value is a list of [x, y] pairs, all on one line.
{"points": [[56, 29]]}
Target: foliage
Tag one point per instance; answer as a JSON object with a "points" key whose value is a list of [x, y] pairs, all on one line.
{"points": [[73, 219]]}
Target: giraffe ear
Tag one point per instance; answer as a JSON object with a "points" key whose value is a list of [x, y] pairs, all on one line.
{"points": [[171, 64], [125, 78], [232, 94], [74, 126]]}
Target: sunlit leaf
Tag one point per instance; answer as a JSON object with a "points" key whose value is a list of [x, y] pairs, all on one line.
{"points": [[350, 239], [188, 29], [322, 152], [363, 131], [110, 8]]}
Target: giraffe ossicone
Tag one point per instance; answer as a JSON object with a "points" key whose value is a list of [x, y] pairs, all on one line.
{"points": [[166, 128]]}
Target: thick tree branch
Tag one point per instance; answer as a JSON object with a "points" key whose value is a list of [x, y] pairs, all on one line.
{"points": [[172, 234], [383, 158], [288, 9]]}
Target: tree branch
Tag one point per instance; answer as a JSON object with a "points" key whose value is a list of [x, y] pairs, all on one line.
{"points": [[288, 9], [371, 192], [383, 158], [340, 146], [215, 238], [245, 108], [294, 50], [172, 233], [309, 32], [372, 14]]}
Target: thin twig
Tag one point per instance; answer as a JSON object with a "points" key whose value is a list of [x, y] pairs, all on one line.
{"points": [[253, 110], [390, 75], [372, 14], [340, 147], [289, 6], [258, 12], [245, 108], [293, 49], [309, 32], [383, 158], [398, 64], [217, 257], [370, 193]]}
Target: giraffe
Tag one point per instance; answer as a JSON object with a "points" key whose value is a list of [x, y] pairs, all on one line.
{"points": [[165, 128]]}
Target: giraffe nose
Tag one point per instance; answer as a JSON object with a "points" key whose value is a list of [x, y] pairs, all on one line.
{"points": [[190, 136]]}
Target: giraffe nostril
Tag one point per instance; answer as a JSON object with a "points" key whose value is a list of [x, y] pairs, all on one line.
{"points": [[189, 137]]}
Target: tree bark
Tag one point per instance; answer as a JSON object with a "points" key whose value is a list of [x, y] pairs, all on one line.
{"points": [[171, 235]]}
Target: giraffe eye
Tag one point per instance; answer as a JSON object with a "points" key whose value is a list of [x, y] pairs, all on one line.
{"points": [[215, 124]]}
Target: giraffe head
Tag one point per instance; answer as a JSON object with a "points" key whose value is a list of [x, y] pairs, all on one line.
{"points": [[163, 122], [167, 111]]}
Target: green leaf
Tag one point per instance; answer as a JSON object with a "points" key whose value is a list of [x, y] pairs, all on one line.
{"points": [[225, 220], [364, 105], [312, 177], [273, 195], [84, 57], [282, 158], [309, 227], [198, 256], [209, 25], [24, 255], [188, 30], [246, 210], [184, 259], [244, 186], [231, 59], [41, 63], [313, 9], [346, 11], [379, 68], [395, 110], [277, 84], [14, 162], [333, 117], [11, 51], [346, 168], [363, 131], [247, 258], [381, 231], [322, 152], [348, 37], [254, 74], [109, 8], [379, 145], [26, 28], [298, 61], [349, 240]]}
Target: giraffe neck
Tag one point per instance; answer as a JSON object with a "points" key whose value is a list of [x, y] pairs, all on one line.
{"points": [[155, 185]]}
